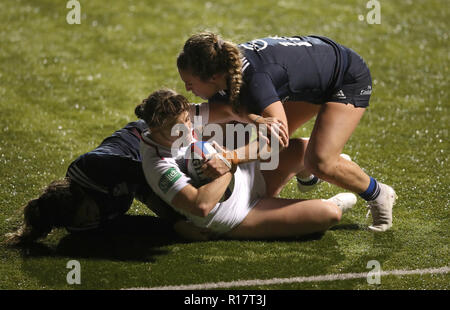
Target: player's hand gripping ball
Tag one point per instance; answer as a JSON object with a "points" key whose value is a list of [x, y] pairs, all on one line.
{"points": [[196, 155]]}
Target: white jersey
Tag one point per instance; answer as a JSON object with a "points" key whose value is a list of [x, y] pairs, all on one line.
{"points": [[167, 175]]}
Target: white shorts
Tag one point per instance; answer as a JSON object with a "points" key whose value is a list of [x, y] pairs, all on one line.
{"points": [[249, 189]]}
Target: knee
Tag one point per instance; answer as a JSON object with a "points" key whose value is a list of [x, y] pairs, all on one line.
{"points": [[333, 214], [321, 165]]}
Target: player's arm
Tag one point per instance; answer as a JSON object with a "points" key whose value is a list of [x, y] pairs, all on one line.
{"points": [[275, 120], [221, 112], [274, 126], [259, 149], [263, 94], [226, 161], [217, 112], [276, 110], [200, 201], [207, 113]]}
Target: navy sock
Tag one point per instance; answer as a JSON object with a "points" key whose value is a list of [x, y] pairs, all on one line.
{"points": [[372, 191], [313, 180]]}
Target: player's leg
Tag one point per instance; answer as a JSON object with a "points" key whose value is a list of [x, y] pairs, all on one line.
{"points": [[277, 218], [333, 127], [290, 163], [298, 113]]}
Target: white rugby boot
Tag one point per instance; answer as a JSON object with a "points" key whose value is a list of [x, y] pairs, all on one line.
{"points": [[381, 208], [307, 185], [345, 201]]}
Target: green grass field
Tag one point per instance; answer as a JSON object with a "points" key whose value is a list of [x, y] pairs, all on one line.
{"points": [[63, 88]]}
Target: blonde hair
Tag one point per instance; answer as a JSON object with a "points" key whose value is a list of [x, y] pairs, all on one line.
{"points": [[206, 54]]}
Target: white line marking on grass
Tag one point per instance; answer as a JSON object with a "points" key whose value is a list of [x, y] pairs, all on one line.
{"points": [[328, 277]]}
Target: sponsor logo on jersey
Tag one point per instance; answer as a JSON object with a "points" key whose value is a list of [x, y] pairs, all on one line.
{"points": [[261, 44], [256, 45], [168, 179], [366, 91]]}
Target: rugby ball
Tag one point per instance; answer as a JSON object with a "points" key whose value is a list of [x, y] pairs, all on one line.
{"points": [[195, 157]]}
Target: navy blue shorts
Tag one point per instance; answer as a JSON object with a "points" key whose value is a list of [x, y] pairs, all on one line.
{"points": [[356, 87]]}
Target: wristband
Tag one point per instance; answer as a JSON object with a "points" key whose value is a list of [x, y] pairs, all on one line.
{"points": [[231, 157], [227, 163], [234, 158]]}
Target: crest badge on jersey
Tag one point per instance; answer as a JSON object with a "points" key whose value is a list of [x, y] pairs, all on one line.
{"points": [[168, 179]]}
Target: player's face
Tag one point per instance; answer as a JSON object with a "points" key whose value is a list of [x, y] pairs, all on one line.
{"points": [[203, 89], [179, 128], [183, 126]]}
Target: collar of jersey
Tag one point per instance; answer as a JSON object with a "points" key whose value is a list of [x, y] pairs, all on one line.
{"points": [[163, 150]]}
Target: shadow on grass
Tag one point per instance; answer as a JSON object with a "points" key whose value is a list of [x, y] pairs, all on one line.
{"points": [[134, 238], [316, 236], [128, 238], [137, 239], [347, 227], [305, 238]]}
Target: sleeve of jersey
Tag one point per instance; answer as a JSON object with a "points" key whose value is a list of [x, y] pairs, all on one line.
{"points": [[165, 178], [199, 114], [262, 91]]}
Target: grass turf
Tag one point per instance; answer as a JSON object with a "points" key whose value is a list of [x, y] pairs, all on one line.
{"points": [[63, 88]]}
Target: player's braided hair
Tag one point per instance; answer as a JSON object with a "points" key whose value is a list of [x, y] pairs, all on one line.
{"points": [[160, 107], [56, 207], [206, 54]]}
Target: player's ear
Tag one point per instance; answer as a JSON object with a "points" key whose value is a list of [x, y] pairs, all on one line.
{"points": [[217, 77]]}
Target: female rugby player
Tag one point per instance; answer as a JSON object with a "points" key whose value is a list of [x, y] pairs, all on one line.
{"points": [[99, 186], [290, 80], [251, 211]]}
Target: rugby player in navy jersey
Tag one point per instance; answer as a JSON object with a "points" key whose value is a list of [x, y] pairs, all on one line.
{"points": [[287, 81], [99, 186]]}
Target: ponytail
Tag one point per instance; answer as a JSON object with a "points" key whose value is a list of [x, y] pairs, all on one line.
{"points": [[139, 110], [34, 226], [234, 65], [206, 54], [56, 207]]}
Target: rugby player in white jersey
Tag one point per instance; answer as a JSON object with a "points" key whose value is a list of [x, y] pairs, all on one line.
{"points": [[252, 211]]}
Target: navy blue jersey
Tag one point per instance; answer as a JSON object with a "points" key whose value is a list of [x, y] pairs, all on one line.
{"points": [[112, 173], [297, 68]]}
